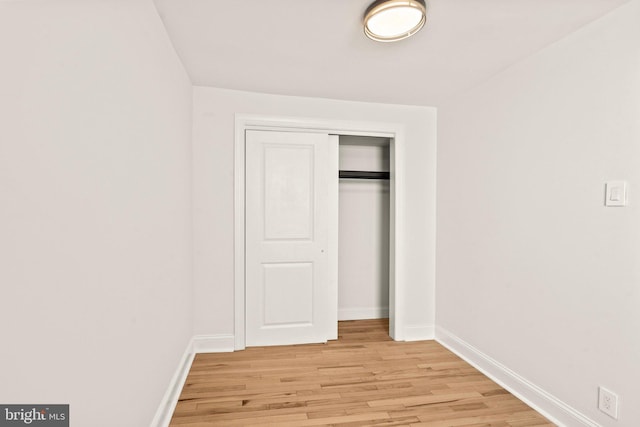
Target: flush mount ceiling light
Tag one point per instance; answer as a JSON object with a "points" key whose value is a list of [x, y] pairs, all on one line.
{"points": [[393, 20]]}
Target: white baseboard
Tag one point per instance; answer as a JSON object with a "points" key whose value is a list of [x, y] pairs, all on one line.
{"points": [[213, 343], [363, 313], [171, 396], [548, 405], [419, 332], [197, 344]]}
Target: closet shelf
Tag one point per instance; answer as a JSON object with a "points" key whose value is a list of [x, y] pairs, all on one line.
{"points": [[364, 175]]}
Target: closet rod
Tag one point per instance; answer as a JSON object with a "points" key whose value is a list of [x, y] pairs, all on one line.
{"points": [[364, 175]]}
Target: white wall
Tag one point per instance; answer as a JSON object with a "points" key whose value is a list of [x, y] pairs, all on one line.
{"points": [[363, 256], [213, 151], [95, 243], [533, 270]]}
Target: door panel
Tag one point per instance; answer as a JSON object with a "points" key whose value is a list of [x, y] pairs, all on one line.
{"points": [[288, 191], [283, 284], [288, 295]]}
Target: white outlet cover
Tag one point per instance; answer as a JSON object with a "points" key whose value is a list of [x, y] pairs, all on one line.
{"points": [[608, 402]]}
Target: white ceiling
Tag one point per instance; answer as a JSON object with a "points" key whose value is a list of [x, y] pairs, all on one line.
{"points": [[317, 47]]}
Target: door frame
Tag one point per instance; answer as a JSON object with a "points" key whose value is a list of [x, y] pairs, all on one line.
{"points": [[393, 131]]}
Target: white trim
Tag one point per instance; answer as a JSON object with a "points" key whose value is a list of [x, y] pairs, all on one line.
{"points": [[396, 235], [394, 131], [213, 343], [171, 396], [340, 127], [419, 332], [197, 344], [332, 237], [363, 313], [545, 403], [238, 225]]}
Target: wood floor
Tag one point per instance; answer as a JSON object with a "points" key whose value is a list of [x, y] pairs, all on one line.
{"points": [[362, 379]]}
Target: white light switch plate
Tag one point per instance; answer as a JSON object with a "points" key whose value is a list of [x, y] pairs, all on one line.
{"points": [[616, 193]]}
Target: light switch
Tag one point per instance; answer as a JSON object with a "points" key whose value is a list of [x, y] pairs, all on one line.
{"points": [[616, 193]]}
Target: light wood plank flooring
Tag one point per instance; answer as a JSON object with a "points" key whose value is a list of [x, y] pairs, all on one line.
{"points": [[362, 379]]}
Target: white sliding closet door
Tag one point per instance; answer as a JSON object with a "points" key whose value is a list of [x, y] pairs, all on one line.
{"points": [[291, 184]]}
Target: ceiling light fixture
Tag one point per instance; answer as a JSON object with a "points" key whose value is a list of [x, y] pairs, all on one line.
{"points": [[393, 20]]}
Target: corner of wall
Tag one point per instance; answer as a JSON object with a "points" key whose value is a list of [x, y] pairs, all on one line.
{"points": [[169, 401], [197, 344]]}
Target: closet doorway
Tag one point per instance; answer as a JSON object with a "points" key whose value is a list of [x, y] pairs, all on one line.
{"points": [[383, 143], [363, 218]]}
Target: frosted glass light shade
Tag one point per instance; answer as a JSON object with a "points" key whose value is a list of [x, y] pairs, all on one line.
{"points": [[393, 20]]}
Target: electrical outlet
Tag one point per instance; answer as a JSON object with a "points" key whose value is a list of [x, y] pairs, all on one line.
{"points": [[608, 402]]}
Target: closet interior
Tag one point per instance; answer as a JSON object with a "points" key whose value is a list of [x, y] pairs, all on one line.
{"points": [[363, 263]]}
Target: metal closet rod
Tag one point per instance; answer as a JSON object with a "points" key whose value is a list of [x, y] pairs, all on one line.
{"points": [[364, 175]]}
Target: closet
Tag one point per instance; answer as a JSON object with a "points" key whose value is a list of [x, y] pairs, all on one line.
{"points": [[363, 256], [317, 241]]}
